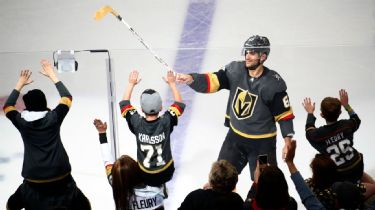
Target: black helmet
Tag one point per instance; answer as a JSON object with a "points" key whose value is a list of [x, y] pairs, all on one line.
{"points": [[257, 44]]}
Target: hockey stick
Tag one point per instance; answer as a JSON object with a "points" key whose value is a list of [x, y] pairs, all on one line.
{"points": [[107, 9]]}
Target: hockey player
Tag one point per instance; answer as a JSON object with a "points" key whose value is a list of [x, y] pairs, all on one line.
{"points": [[153, 131], [257, 99], [336, 138]]}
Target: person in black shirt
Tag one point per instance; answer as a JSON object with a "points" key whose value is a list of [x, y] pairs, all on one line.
{"points": [[48, 183], [218, 194], [153, 132], [336, 137]]}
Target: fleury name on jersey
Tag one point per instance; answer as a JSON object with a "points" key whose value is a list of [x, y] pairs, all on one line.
{"points": [[334, 138], [144, 138], [148, 203]]}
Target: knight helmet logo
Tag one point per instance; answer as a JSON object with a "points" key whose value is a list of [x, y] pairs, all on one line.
{"points": [[243, 104]]}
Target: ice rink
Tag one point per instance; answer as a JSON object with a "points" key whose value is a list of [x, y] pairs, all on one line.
{"points": [[318, 47]]}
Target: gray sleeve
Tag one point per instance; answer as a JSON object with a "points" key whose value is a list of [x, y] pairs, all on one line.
{"points": [[63, 91], [286, 127], [12, 99]]}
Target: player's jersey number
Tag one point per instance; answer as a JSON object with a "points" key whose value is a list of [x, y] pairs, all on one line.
{"points": [[151, 151], [286, 102], [341, 152]]}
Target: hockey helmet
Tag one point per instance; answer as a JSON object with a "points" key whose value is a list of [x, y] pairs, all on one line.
{"points": [[256, 43]]}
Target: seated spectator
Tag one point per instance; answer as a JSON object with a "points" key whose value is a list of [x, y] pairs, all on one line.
{"points": [[269, 190], [324, 175], [124, 175], [218, 195], [309, 200]]}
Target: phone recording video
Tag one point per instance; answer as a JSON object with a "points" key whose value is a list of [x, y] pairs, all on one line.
{"points": [[263, 159]]}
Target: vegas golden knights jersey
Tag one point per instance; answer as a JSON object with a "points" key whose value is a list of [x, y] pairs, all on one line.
{"points": [[254, 104]]}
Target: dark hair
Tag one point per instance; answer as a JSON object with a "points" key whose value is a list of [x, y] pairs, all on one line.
{"points": [[35, 100], [125, 176], [223, 176], [272, 189], [348, 195], [324, 172], [330, 108], [149, 91]]}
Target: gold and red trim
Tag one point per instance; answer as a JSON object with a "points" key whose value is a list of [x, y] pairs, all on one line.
{"points": [[108, 169], [125, 109], [176, 109], [288, 115], [213, 83]]}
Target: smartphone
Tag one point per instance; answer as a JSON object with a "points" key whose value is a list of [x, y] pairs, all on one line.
{"points": [[263, 159]]}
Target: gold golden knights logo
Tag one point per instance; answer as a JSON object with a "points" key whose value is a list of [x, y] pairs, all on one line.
{"points": [[243, 103]]}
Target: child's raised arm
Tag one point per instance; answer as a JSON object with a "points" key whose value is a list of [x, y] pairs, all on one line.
{"points": [[170, 79], [344, 99], [308, 105], [133, 81]]}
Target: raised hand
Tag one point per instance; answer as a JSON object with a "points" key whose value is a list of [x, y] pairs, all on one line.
{"points": [[134, 77], [47, 70], [308, 105], [100, 126], [24, 79], [291, 151], [170, 78], [344, 99]]}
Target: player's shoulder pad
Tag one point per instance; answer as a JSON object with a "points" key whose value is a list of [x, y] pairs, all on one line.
{"points": [[235, 69], [274, 82]]}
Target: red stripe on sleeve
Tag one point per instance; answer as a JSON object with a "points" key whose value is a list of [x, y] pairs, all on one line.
{"points": [[208, 83], [125, 108], [177, 107], [288, 117]]}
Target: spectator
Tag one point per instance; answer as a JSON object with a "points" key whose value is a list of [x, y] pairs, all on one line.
{"points": [[336, 139], [124, 175], [269, 190], [48, 183], [308, 198], [153, 132], [218, 195]]}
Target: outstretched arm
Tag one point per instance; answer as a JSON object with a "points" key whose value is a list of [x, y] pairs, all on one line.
{"points": [[24, 79], [170, 79], [108, 159], [133, 81], [66, 98], [308, 105], [205, 83], [310, 121], [184, 78], [344, 99], [307, 197]]}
